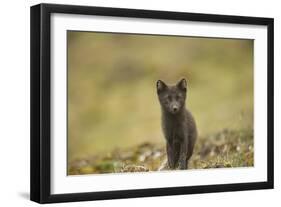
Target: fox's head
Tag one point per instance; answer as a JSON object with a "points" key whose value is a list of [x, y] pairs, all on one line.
{"points": [[172, 97]]}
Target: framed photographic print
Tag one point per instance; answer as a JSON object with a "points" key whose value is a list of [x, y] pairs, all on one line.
{"points": [[132, 103]]}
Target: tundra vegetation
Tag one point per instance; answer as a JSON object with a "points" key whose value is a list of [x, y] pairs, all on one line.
{"points": [[113, 109]]}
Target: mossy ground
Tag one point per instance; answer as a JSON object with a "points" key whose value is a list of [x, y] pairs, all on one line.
{"points": [[221, 150]]}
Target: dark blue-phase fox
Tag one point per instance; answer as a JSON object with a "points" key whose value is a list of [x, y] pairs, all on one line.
{"points": [[178, 124]]}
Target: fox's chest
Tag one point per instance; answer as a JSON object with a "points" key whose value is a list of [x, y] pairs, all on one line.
{"points": [[174, 130]]}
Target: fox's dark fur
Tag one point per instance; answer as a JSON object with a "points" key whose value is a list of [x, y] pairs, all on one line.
{"points": [[178, 124]]}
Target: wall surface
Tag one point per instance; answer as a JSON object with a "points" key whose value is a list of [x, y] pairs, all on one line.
{"points": [[14, 104]]}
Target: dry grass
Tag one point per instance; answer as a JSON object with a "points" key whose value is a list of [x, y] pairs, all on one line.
{"points": [[222, 150]]}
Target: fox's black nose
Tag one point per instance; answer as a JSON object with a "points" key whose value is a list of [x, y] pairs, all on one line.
{"points": [[175, 108]]}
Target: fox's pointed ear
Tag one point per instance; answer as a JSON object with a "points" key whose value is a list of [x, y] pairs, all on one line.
{"points": [[161, 86], [182, 84]]}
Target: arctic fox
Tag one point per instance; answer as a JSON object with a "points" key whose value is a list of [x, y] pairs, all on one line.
{"points": [[178, 124]]}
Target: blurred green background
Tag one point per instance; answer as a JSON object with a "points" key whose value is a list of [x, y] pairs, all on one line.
{"points": [[112, 101]]}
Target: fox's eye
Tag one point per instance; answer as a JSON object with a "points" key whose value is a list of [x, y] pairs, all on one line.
{"points": [[178, 97], [169, 97]]}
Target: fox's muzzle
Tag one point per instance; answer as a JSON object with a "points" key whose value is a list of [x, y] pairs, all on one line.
{"points": [[175, 107]]}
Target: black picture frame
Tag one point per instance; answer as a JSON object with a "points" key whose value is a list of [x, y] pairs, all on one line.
{"points": [[41, 102]]}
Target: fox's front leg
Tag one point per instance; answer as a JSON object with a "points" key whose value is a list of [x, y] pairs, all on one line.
{"points": [[183, 162], [171, 155]]}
